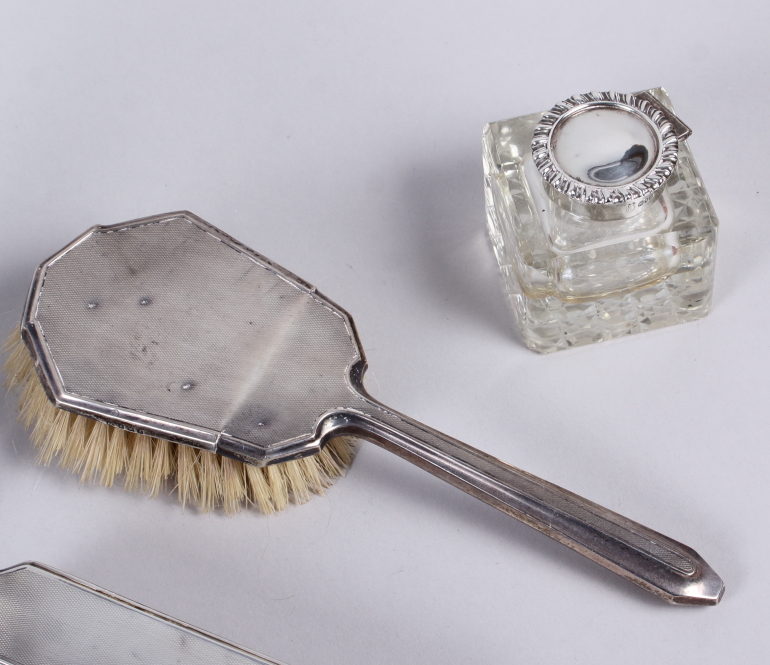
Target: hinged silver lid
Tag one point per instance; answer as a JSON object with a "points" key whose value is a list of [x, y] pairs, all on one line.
{"points": [[607, 155]]}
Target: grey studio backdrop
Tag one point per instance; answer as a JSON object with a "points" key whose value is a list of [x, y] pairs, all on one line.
{"points": [[342, 140]]}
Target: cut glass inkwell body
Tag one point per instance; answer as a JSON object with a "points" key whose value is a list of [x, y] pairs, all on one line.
{"points": [[599, 219]]}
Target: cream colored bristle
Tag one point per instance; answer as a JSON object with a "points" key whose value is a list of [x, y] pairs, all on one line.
{"points": [[19, 366], [95, 451], [162, 465], [73, 452], [100, 452], [279, 490], [140, 462], [187, 475], [296, 481], [55, 438], [328, 464], [30, 392], [211, 481], [233, 485], [9, 344], [311, 472], [342, 451], [115, 456], [259, 490], [36, 407]]}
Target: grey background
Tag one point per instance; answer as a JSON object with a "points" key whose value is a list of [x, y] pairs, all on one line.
{"points": [[342, 140]]}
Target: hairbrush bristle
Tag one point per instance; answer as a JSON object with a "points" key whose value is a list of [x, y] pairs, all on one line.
{"points": [[188, 485], [139, 463], [102, 453], [95, 450], [74, 452]]}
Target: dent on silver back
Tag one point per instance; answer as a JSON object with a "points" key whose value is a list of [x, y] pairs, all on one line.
{"points": [[168, 326]]}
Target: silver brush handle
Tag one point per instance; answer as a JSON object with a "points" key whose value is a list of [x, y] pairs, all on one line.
{"points": [[649, 559]]}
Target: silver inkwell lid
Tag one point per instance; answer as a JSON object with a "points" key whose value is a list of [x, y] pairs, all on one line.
{"points": [[607, 155]]}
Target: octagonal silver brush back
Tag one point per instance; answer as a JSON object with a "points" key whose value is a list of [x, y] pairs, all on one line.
{"points": [[169, 327]]}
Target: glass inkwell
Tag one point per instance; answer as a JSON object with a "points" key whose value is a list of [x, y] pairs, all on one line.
{"points": [[599, 219]]}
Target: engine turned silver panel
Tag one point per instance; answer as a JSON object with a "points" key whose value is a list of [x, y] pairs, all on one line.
{"points": [[169, 326], [50, 618]]}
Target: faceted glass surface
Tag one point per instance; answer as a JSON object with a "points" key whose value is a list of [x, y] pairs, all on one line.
{"points": [[572, 280]]}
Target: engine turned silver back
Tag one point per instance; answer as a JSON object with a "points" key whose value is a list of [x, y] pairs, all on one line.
{"points": [[50, 618], [168, 326]]}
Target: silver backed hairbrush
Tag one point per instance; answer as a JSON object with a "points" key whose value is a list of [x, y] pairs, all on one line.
{"points": [[168, 327]]}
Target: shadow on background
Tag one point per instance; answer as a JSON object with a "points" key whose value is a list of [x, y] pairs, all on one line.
{"points": [[443, 227]]}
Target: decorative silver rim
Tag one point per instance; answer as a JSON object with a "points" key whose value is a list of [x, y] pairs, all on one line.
{"points": [[652, 180]]}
